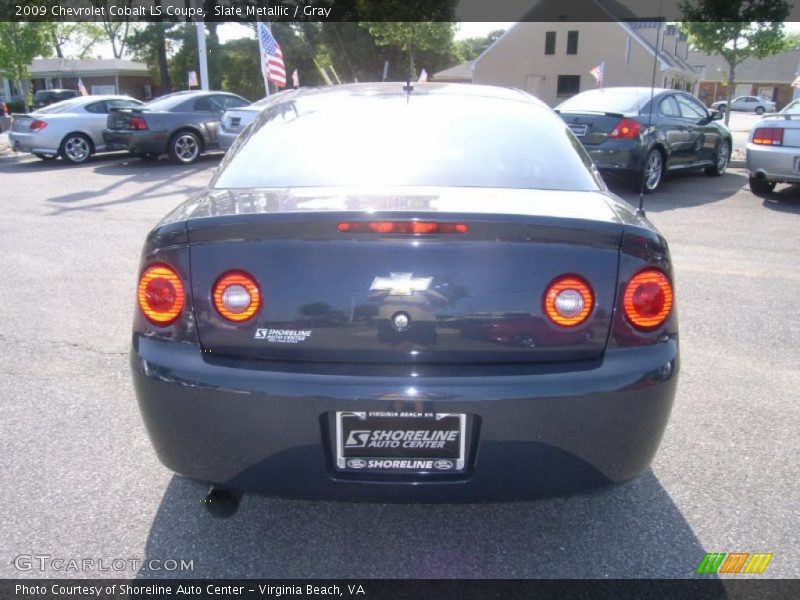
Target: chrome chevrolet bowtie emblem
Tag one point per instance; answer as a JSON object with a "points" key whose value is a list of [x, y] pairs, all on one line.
{"points": [[400, 284]]}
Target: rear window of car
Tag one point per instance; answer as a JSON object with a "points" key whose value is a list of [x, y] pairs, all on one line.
{"points": [[166, 103], [63, 106], [607, 100], [338, 139]]}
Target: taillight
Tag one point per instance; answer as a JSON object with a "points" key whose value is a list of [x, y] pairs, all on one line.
{"points": [[648, 299], [161, 295], [568, 301], [3, 109], [236, 296], [138, 123], [37, 125], [768, 136], [407, 227], [626, 129]]}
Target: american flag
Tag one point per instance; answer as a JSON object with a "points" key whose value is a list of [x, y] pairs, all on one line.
{"points": [[82, 88], [597, 73], [271, 57]]}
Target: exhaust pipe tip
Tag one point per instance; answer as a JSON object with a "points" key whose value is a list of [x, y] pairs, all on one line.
{"points": [[222, 503]]}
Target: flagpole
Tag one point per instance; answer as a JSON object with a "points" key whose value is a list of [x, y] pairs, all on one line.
{"points": [[201, 52]]}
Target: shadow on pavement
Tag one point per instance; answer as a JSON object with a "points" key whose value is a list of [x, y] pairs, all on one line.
{"points": [[630, 530], [784, 199], [683, 190], [163, 176]]}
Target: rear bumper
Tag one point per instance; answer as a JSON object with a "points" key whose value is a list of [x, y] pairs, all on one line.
{"points": [[621, 156], [773, 163], [536, 433], [32, 142], [226, 138], [144, 142]]}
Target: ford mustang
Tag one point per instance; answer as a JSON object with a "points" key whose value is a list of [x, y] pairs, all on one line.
{"points": [[421, 294]]}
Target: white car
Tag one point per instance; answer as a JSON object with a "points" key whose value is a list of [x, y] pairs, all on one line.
{"points": [[773, 150], [746, 104], [235, 120], [72, 129]]}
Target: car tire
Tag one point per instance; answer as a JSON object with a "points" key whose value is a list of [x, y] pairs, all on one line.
{"points": [[76, 148], [760, 186], [45, 156], [652, 171], [185, 147], [759, 110], [722, 158]]}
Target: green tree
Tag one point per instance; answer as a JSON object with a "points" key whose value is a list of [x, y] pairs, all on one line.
{"points": [[736, 30], [469, 49], [20, 43], [413, 38], [75, 38], [149, 44]]}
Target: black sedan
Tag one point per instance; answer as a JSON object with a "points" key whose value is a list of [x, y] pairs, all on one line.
{"points": [[303, 325], [183, 125], [640, 133]]}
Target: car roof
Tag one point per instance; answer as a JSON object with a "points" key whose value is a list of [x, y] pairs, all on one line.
{"points": [[397, 88]]}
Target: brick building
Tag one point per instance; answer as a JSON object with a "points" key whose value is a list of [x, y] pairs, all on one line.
{"points": [[769, 77]]}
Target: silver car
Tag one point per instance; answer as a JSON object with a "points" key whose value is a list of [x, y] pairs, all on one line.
{"points": [[72, 129], [746, 104], [235, 120], [773, 150]]}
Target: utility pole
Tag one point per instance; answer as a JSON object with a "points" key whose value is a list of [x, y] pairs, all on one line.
{"points": [[201, 52]]}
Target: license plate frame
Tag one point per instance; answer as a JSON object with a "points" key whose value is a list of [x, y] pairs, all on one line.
{"points": [[579, 129], [421, 427]]}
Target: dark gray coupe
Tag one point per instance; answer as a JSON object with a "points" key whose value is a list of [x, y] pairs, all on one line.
{"points": [[183, 125], [423, 295], [642, 133]]}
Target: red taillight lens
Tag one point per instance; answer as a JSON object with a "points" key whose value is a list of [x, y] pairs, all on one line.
{"points": [[161, 295], [3, 109], [568, 301], [37, 125], [768, 136], [648, 299], [236, 296], [138, 123], [626, 129], [406, 227]]}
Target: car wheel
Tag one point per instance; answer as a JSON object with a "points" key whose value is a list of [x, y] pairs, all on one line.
{"points": [[759, 110], [76, 148], [653, 170], [721, 159], [760, 186], [185, 147], [45, 156]]}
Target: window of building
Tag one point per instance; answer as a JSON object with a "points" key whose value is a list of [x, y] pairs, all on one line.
{"points": [[568, 85], [572, 42], [550, 42]]}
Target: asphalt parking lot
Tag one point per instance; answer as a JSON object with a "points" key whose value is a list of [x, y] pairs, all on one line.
{"points": [[80, 480]]}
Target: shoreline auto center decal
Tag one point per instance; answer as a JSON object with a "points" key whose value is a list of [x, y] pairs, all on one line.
{"points": [[415, 441], [283, 336]]}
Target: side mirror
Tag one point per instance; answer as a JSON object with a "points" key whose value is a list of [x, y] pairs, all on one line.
{"points": [[717, 116]]}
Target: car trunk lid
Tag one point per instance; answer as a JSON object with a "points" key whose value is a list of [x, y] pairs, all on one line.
{"points": [[332, 295], [592, 128]]}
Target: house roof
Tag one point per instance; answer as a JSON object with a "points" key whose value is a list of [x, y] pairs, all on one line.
{"points": [[462, 72], [779, 68], [49, 67]]}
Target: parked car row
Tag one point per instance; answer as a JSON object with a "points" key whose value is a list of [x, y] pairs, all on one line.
{"points": [[183, 125], [635, 133]]}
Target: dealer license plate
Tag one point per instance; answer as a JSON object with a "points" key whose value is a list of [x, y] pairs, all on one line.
{"points": [[400, 441]]}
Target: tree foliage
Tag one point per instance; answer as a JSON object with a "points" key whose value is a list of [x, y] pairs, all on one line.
{"points": [[20, 43], [736, 30], [469, 49], [72, 39]]}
